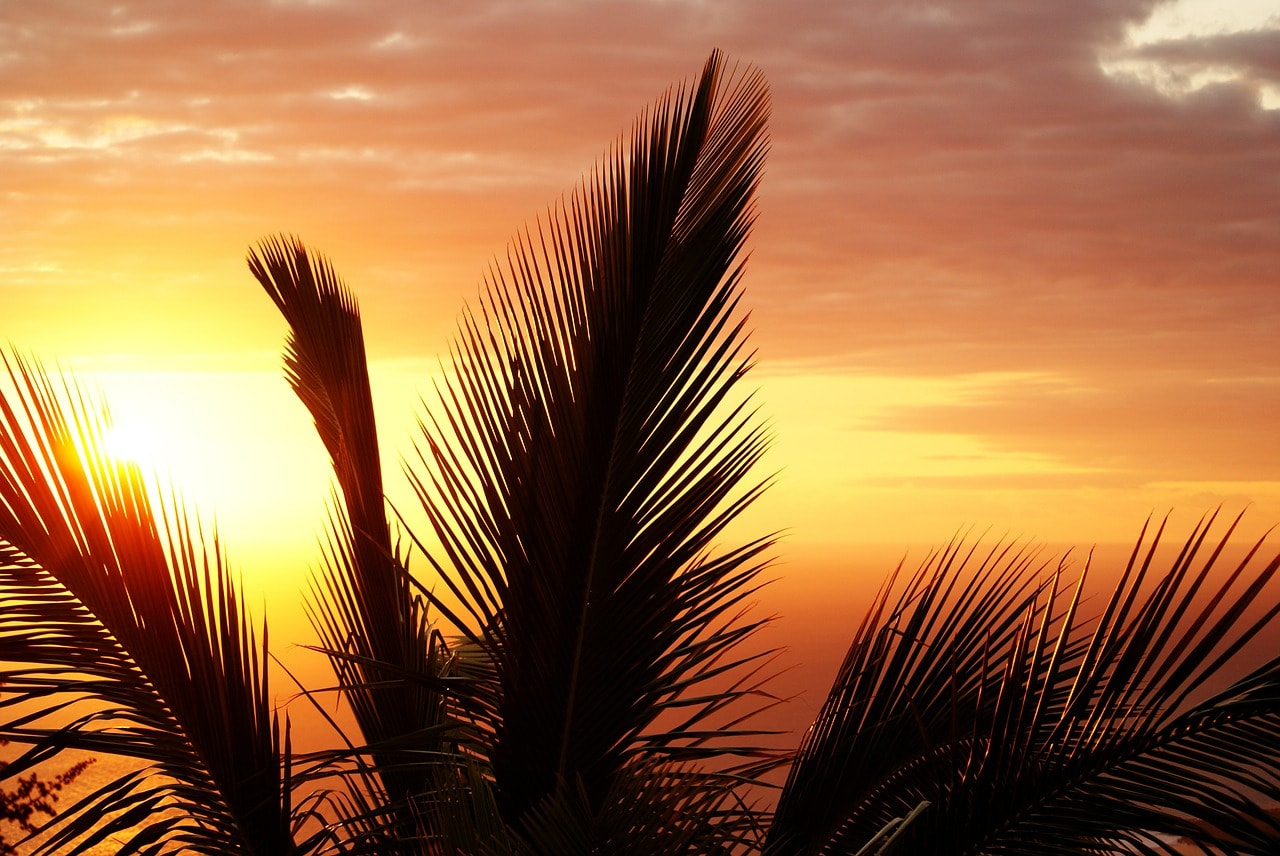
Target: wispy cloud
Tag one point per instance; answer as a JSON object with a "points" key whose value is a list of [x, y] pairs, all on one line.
{"points": [[1137, 427]]}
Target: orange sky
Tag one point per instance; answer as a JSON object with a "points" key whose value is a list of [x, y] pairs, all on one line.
{"points": [[1017, 264]]}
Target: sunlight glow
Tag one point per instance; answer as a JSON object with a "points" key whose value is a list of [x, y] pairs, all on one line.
{"points": [[351, 93], [138, 441], [241, 451], [1192, 19], [235, 447], [850, 471]]}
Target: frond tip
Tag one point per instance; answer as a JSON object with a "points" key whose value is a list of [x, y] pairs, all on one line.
{"points": [[380, 644]]}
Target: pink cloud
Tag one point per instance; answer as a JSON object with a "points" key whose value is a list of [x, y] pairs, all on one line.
{"points": [[953, 187]]}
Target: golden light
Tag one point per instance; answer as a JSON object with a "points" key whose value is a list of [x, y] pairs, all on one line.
{"points": [[234, 447], [141, 439]]}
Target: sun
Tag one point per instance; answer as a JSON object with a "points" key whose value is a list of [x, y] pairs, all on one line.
{"points": [[233, 447], [180, 429], [155, 425], [138, 441]]}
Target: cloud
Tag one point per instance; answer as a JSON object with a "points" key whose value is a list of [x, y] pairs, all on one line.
{"points": [[954, 187], [1187, 45], [1139, 428]]}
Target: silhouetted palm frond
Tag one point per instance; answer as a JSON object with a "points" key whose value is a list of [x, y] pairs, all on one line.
{"points": [[588, 452], [386, 655], [1033, 728], [587, 455], [129, 639]]}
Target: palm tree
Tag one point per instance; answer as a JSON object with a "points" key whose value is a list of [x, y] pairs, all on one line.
{"points": [[1032, 729], [130, 638], [589, 682]]}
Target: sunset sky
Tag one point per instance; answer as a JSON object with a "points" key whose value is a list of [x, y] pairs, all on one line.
{"points": [[1017, 265]]}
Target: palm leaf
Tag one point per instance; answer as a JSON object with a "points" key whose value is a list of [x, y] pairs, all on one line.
{"points": [[127, 637], [386, 655], [659, 810], [1032, 729], [590, 449]]}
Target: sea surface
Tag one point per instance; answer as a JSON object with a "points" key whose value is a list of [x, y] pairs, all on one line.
{"points": [[101, 772], [818, 598]]}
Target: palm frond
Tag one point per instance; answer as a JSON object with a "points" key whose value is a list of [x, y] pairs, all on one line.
{"points": [[126, 636], [664, 809], [384, 651], [584, 460], [590, 449], [1035, 729]]}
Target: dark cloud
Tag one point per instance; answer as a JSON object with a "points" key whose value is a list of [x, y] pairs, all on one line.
{"points": [[1256, 53]]}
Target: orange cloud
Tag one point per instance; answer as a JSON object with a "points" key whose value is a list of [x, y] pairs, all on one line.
{"points": [[954, 189]]}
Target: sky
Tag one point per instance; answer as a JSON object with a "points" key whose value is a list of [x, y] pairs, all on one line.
{"points": [[1016, 268]]}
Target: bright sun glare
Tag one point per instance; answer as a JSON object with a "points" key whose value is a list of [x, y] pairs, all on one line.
{"points": [[138, 440], [235, 447]]}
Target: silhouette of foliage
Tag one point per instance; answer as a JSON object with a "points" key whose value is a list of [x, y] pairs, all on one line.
{"points": [[32, 796], [573, 665]]}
